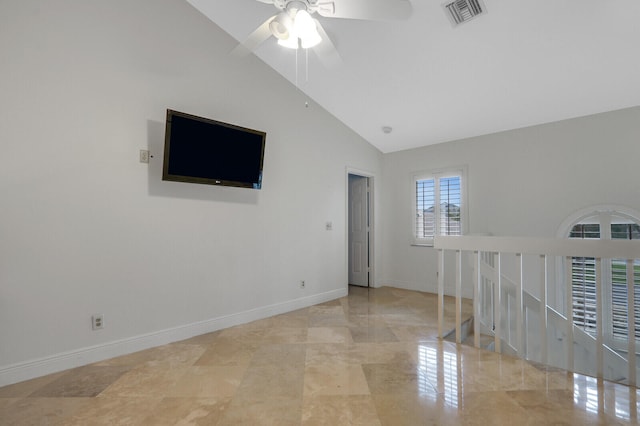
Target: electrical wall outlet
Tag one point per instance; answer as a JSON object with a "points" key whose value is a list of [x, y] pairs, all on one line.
{"points": [[144, 155], [97, 322], [302, 284]]}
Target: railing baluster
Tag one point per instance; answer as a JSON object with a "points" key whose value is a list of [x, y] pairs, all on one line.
{"points": [[507, 316], [476, 299], [440, 293], [569, 313], [519, 307], [543, 311], [599, 338], [633, 406], [497, 301], [631, 329], [458, 296]]}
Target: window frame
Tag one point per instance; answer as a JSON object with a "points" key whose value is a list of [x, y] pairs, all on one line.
{"points": [[437, 175]]}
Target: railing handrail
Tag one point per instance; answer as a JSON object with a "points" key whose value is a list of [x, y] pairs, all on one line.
{"points": [[603, 249]]}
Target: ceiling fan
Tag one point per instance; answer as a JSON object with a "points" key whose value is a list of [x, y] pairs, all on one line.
{"points": [[294, 25]]}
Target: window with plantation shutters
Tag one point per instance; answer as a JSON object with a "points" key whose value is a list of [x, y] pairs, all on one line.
{"points": [[605, 226], [438, 205]]}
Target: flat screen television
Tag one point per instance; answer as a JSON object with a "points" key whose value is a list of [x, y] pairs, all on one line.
{"points": [[201, 150]]}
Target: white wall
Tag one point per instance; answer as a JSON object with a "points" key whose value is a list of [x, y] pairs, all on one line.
{"points": [[523, 182], [85, 228]]}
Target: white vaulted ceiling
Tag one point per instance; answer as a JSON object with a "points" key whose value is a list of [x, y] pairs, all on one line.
{"points": [[520, 64]]}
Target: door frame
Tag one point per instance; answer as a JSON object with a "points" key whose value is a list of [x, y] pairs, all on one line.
{"points": [[371, 213]]}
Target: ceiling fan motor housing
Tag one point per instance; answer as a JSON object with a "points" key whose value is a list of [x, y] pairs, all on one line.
{"points": [[293, 6]]}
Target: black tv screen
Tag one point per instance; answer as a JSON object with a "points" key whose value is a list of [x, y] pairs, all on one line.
{"points": [[201, 150]]}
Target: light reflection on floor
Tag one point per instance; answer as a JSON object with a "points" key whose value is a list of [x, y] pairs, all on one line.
{"points": [[441, 367], [597, 396]]}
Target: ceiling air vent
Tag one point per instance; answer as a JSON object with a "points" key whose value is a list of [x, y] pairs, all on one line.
{"points": [[460, 11]]}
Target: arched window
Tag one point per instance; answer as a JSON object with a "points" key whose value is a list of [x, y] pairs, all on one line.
{"points": [[604, 223]]}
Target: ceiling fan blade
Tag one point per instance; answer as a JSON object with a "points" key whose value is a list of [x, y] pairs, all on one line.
{"points": [[326, 51], [266, 1], [372, 10], [254, 40]]}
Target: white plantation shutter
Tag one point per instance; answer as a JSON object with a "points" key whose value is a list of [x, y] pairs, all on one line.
{"points": [[450, 202], [583, 285], [425, 208], [584, 293], [619, 281]]}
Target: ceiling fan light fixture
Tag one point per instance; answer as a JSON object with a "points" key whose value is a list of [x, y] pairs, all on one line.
{"points": [[281, 26], [305, 26], [291, 42]]}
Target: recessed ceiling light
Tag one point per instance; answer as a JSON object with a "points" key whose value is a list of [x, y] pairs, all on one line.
{"points": [[386, 129]]}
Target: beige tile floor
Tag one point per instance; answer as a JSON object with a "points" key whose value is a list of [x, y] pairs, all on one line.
{"points": [[372, 358]]}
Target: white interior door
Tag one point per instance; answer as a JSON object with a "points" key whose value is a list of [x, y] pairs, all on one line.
{"points": [[358, 230]]}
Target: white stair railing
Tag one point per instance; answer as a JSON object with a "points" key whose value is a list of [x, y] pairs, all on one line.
{"points": [[508, 295]]}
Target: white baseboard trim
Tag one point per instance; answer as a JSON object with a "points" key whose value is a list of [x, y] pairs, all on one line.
{"points": [[19, 372]]}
